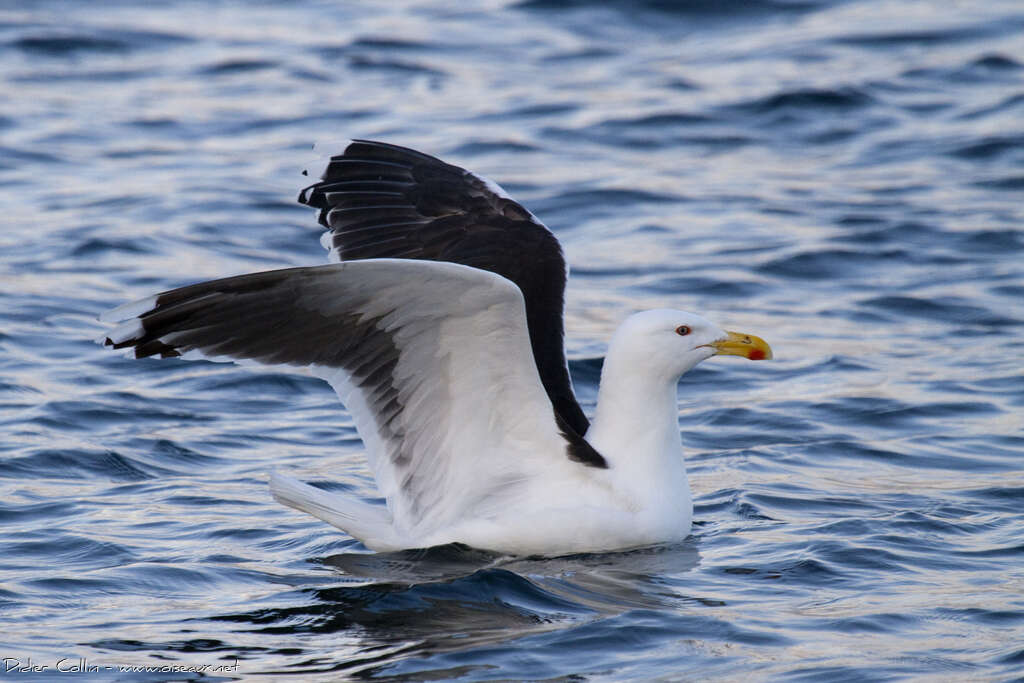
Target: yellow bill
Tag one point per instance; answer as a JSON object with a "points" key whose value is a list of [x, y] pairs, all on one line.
{"points": [[740, 344]]}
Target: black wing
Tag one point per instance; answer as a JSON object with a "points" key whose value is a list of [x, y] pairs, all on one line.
{"points": [[384, 201]]}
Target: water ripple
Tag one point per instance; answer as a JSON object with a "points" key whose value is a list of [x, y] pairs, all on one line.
{"points": [[842, 178]]}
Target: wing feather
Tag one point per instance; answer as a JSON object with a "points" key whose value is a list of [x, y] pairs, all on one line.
{"points": [[432, 359], [384, 201]]}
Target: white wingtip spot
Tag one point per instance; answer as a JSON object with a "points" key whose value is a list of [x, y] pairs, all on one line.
{"points": [[327, 242], [129, 329], [132, 309]]}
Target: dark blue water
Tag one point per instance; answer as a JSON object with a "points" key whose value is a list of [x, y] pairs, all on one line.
{"points": [[845, 179]]}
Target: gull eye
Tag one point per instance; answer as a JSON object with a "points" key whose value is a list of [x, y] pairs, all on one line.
{"points": [[682, 330]]}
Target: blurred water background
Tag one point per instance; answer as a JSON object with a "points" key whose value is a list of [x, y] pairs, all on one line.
{"points": [[844, 178]]}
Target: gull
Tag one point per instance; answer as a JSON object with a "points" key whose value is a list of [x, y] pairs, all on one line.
{"points": [[439, 325]]}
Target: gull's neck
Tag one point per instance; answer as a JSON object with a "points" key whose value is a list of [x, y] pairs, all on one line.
{"points": [[636, 422], [636, 429]]}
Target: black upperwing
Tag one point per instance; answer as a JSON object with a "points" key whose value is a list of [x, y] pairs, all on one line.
{"points": [[385, 201]]}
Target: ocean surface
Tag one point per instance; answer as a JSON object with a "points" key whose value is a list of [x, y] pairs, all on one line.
{"points": [[843, 178]]}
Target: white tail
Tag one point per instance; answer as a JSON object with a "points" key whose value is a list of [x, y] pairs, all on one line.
{"points": [[370, 524]]}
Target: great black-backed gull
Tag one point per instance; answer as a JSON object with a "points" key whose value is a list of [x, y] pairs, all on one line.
{"points": [[440, 328]]}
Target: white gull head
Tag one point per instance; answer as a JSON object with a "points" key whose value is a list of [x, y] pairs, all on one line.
{"points": [[665, 342]]}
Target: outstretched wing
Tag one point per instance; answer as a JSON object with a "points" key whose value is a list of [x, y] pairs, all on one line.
{"points": [[384, 201], [432, 359]]}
